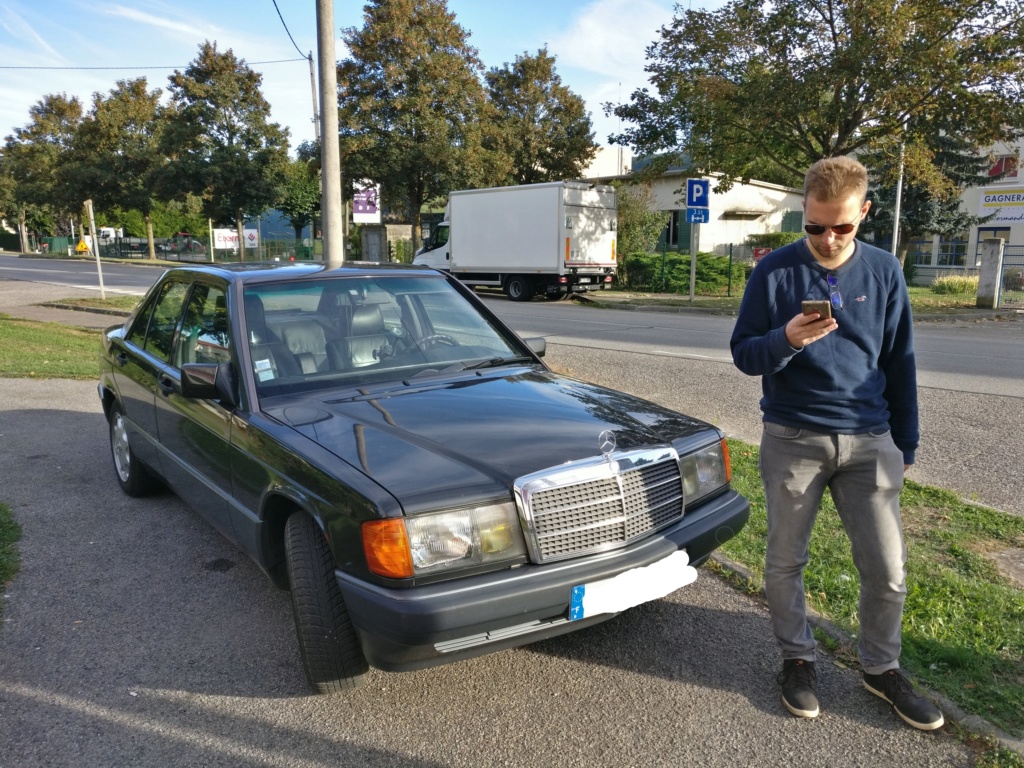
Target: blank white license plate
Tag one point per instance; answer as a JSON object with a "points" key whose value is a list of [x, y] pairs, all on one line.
{"points": [[633, 587]]}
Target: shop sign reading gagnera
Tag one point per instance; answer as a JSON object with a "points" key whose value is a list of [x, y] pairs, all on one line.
{"points": [[1006, 203]]}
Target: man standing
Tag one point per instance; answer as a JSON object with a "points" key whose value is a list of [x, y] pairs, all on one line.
{"points": [[840, 412]]}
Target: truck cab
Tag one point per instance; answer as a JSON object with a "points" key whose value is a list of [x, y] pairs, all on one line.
{"points": [[435, 252]]}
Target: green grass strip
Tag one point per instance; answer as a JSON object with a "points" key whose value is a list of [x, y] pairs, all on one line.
{"points": [[963, 622], [10, 533], [34, 350]]}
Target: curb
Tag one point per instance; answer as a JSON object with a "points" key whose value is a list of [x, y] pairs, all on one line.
{"points": [[1007, 315], [952, 710], [76, 308]]}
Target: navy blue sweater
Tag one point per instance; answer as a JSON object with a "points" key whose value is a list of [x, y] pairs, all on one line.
{"points": [[859, 378]]}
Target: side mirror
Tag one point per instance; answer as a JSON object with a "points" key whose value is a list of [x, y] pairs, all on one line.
{"points": [[210, 381], [538, 345]]}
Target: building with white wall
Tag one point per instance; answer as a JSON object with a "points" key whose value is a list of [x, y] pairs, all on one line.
{"points": [[755, 207]]}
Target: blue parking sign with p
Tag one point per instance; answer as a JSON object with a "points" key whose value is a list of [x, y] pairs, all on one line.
{"points": [[698, 193]]}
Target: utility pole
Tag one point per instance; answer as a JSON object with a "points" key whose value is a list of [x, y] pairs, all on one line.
{"points": [[312, 85], [330, 154]]}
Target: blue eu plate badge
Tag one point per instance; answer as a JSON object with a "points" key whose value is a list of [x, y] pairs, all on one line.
{"points": [[631, 588]]}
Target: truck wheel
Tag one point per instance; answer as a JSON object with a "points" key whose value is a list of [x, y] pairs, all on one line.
{"points": [[132, 476], [519, 288], [331, 654]]}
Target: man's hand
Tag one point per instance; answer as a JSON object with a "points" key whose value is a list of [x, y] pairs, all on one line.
{"points": [[806, 329]]}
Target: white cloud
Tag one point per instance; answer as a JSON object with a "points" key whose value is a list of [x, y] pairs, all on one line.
{"points": [[603, 53], [610, 37]]}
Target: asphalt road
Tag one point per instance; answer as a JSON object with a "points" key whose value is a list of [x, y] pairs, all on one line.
{"points": [[135, 635], [971, 384]]}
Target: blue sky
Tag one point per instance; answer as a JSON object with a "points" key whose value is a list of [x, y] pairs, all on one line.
{"points": [[599, 45]]}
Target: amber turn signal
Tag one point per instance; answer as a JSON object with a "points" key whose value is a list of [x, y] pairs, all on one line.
{"points": [[387, 548]]}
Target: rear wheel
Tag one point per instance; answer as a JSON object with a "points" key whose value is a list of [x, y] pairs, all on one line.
{"points": [[331, 654], [519, 288], [132, 476]]}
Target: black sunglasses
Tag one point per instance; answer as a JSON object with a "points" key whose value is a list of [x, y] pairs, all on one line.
{"points": [[821, 229], [833, 294]]}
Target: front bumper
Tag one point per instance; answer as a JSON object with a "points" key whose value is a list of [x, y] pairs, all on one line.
{"points": [[403, 629]]}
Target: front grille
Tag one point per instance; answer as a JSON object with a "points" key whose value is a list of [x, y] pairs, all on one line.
{"points": [[600, 504]]}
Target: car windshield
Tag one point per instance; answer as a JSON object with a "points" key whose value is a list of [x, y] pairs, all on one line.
{"points": [[352, 331]]}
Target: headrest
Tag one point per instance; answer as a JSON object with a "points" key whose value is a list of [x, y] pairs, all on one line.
{"points": [[367, 320], [255, 319], [303, 338]]}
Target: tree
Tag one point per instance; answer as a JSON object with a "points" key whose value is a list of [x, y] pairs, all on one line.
{"points": [[115, 154], [639, 222], [923, 212], [32, 155], [220, 142], [794, 81], [543, 127], [300, 200], [638, 226], [409, 104]]}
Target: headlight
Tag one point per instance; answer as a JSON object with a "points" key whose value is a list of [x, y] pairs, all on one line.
{"points": [[705, 471], [415, 546]]}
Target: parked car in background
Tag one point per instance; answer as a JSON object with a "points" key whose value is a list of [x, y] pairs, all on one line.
{"points": [[182, 242], [386, 448]]}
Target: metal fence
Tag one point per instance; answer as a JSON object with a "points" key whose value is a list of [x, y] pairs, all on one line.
{"points": [[1012, 288]]}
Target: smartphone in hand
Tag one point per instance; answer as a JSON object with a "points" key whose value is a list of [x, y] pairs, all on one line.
{"points": [[823, 308]]}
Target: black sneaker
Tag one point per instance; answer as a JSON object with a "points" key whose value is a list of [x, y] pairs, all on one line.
{"points": [[798, 680], [914, 708]]}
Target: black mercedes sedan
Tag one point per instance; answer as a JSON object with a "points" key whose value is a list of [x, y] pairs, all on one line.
{"points": [[389, 451]]}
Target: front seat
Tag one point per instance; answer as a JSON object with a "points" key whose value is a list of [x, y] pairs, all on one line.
{"points": [[270, 358], [367, 337], [305, 340]]}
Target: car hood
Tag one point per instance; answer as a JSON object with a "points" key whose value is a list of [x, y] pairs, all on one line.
{"points": [[464, 439]]}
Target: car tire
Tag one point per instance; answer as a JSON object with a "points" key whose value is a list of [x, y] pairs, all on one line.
{"points": [[133, 477], [331, 654], [519, 288]]}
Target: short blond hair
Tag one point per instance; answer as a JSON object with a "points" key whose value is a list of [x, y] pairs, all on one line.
{"points": [[836, 178]]}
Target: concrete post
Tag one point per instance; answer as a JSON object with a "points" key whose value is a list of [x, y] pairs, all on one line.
{"points": [[990, 274]]}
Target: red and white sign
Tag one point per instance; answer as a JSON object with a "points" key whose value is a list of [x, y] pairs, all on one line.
{"points": [[227, 239], [760, 253]]}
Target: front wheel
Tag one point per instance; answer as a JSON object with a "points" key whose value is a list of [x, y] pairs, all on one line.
{"points": [[331, 654], [132, 476], [519, 288]]}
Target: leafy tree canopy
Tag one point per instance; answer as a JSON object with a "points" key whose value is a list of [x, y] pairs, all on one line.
{"points": [[793, 81], [541, 126], [115, 150], [300, 194], [410, 101], [639, 222], [33, 153], [219, 139]]}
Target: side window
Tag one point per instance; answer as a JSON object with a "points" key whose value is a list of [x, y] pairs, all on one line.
{"points": [[137, 335], [204, 331], [166, 313]]}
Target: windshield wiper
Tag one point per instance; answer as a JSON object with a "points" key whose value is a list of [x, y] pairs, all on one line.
{"points": [[496, 361]]}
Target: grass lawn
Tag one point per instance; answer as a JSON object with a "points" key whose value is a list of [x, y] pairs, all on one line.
{"points": [[10, 532], [35, 350], [125, 303], [963, 624]]}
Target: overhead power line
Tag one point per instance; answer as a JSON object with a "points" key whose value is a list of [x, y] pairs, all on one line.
{"points": [[289, 32], [170, 66]]}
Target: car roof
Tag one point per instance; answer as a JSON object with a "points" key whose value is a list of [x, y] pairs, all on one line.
{"points": [[273, 271]]}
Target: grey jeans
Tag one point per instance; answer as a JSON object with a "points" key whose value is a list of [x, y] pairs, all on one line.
{"points": [[865, 475]]}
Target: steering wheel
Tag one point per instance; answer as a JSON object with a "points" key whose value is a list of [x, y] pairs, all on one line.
{"points": [[438, 338]]}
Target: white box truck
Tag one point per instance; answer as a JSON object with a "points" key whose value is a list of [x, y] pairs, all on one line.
{"points": [[551, 239]]}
